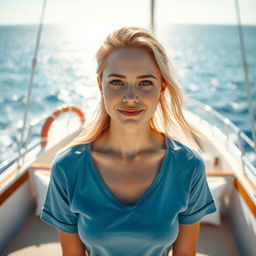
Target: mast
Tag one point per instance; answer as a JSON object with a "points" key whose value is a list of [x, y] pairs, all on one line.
{"points": [[246, 75], [152, 15]]}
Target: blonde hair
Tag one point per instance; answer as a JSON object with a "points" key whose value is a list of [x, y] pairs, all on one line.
{"points": [[170, 113]]}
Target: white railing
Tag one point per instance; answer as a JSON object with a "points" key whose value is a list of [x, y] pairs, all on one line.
{"points": [[29, 144], [245, 145], [33, 142]]}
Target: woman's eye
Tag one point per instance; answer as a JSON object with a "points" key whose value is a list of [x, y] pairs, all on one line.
{"points": [[146, 82], [116, 82], [143, 83]]}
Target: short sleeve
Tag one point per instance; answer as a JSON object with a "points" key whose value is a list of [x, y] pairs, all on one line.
{"points": [[200, 200], [56, 209]]}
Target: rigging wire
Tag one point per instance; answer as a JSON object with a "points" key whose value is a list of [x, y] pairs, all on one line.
{"points": [[30, 84], [152, 15], [246, 74]]}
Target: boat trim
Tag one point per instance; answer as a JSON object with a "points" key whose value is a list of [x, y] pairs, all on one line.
{"points": [[240, 189], [11, 189]]}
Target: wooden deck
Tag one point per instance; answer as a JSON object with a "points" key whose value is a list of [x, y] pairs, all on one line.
{"points": [[39, 239]]}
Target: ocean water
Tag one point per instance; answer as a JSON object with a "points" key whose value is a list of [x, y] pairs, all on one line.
{"points": [[206, 59]]}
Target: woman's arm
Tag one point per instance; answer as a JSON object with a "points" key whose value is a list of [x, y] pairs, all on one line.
{"points": [[186, 242], [71, 244]]}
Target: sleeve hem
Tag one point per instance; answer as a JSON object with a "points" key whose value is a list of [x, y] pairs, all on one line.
{"points": [[67, 228], [190, 219]]}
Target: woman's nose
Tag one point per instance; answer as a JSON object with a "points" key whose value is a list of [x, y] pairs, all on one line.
{"points": [[131, 95], [131, 99]]}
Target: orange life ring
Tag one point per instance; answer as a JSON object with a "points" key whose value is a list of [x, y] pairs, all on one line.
{"points": [[55, 114]]}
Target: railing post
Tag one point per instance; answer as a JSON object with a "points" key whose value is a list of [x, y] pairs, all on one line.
{"points": [[241, 148]]}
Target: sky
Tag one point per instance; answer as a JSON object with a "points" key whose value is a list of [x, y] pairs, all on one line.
{"points": [[127, 12]]}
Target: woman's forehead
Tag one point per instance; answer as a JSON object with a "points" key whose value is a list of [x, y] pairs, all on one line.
{"points": [[134, 60], [129, 53]]}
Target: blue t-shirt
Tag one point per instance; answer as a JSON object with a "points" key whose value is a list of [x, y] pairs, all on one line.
{"points": [[78, 201]]}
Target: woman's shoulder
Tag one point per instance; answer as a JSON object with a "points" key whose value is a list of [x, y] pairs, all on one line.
{"points": [[70, 156], [184, 153]]}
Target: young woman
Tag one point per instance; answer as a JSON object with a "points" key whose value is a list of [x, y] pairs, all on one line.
{"points": [[125, 186]]}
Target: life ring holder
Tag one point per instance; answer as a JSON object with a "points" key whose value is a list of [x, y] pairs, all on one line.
{"points": [[55, 114]]}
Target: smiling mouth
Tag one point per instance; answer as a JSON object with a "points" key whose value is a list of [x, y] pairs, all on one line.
{"points": [[130, 113], [130, 110]]}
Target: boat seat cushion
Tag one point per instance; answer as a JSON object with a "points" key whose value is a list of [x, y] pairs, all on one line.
{"points": [[217, 186], [41, 181]]}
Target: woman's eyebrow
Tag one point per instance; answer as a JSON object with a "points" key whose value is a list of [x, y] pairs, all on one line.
{"points": [[122, 76]]}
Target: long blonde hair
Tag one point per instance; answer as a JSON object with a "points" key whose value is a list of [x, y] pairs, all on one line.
{"points": [[169, 114]]}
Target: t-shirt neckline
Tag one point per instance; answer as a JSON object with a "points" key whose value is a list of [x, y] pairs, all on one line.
{"points": [[155, 182]]}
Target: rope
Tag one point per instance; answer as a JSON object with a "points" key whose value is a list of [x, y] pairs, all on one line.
{"points": [[30, 84], [246, 75]]}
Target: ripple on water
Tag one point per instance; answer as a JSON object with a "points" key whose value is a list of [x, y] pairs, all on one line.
{"points": [[239, 106], [52, 98]]}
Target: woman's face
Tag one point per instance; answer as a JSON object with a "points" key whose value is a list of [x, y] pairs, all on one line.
{"points": [[130, 79]]}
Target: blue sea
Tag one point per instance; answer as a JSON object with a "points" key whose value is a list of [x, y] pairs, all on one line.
{"points": [[206, 59]]}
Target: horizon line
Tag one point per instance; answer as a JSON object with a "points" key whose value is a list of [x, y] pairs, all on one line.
{"points": [[160, 23]]}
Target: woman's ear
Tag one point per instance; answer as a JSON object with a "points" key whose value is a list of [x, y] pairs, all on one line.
{"points": [[163, 86], [99, 83]]}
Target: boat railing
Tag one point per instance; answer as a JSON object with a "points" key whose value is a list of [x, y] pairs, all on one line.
{"points": [[31, 143], [233, 134]]}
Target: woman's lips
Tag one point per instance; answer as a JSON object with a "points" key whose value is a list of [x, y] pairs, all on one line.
{"points": [[130, 113]]}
